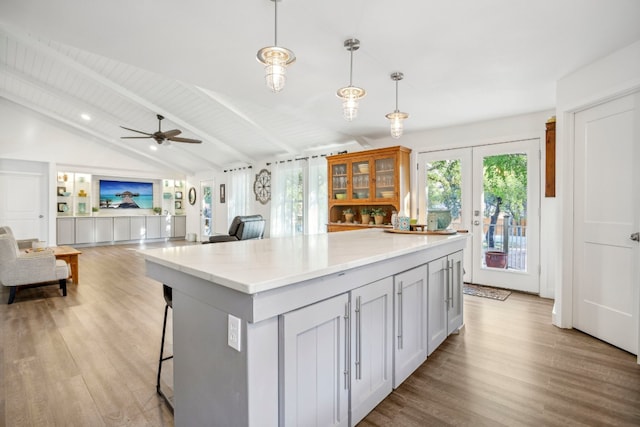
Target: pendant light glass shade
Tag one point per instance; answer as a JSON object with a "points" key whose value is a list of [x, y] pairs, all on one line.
{"points": [[351, 95], [275, 60], [397, 118]]}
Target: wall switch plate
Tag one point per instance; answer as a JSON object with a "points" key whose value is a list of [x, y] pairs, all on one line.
{"points": [[234, 332]]}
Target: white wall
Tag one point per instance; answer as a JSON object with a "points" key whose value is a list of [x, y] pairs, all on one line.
{"points": [[605, 79]]}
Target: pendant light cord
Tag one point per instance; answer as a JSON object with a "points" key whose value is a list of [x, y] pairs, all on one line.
{"points": [[397, 96], [275, 36], [351, 68]]}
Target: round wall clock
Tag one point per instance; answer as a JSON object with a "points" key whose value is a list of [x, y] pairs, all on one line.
{"points": [[192, 196], [262, 186]]}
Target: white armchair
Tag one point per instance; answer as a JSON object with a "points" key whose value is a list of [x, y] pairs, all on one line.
{"points": [[22, 243], [20, 268]]}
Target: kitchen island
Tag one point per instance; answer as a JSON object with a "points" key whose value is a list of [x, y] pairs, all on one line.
{"points": [[305, 330]]}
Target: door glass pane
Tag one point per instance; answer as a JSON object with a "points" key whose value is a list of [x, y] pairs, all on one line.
{"points": [[339, 181], [504, 237], [206, 206], [444, 189], [385, 185], [360, 174]]}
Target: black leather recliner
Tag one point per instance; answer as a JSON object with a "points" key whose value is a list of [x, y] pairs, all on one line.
{"points": [[242, 228]]}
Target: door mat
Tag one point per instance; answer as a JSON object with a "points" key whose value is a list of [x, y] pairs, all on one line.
{"points": [[485, 292]]}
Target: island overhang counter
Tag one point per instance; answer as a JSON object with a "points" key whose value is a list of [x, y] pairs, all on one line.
{"points": [[260, 282]]}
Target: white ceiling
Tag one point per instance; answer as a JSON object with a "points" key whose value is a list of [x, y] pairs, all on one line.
{"points": [[193, 61]]}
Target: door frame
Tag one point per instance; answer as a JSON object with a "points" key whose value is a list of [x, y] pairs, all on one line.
{"points": [[466, 152]]}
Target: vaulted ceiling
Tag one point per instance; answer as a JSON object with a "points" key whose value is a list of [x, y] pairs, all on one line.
{"points": [[193, 61]]}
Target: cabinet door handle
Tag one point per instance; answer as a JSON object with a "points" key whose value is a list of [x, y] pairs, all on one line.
{"points": [[400, 316], [347, 347], [446, 281], [358, 339], [451, 282]]}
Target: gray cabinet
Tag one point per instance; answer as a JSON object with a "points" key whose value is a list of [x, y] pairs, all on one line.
{"points": [[65, 231], [85, 232], [410, 346], [371, 346], [103, 229], [445, 298], [154, 224], [138, 230], [179, 226], [121, 228], [315, 374]]}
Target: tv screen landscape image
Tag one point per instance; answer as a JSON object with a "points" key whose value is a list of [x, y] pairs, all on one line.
{"points": [[126, 195]]}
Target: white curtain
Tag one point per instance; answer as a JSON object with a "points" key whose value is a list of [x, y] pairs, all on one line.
{"points": [[239, 193], [299, 197], [316, 198], [284, 201]]}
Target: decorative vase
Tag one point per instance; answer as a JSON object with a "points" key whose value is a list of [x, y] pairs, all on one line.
{"points": [[366, 218], [348, 217], [379, 219]]}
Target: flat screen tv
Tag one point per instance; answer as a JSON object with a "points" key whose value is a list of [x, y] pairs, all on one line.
{"points": [[126, 195]]}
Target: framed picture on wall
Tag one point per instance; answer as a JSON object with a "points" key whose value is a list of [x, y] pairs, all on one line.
{"points": [[178, 195], [178, 204], [222, 193], [61, 191]]}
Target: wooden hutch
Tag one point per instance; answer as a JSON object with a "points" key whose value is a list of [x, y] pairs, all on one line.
{"points": [[368, 179]]}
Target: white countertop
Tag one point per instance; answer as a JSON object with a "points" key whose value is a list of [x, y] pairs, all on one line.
{"points": [[252, 266]]}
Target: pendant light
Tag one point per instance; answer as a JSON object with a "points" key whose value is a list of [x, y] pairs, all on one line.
{"points": [[396, 118], [350, 95], [275, 60]]}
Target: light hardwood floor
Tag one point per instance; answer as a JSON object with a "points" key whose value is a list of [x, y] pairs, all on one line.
{"points": [[90, 359]]}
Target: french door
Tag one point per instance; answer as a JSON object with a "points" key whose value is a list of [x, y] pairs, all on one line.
{"points": [[206, 208], [493, 193]]}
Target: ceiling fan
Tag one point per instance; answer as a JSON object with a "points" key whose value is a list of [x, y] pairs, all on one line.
{"points": [[160, 137]]}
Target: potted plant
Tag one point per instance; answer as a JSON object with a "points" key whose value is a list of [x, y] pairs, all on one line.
{"points": [[348, 214], [365, 215], [157, 210], [378, 215]]}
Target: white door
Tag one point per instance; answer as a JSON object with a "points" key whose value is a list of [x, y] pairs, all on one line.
{"points": [[468, 181], [206, 208], [21, 205], [606, 274], [506, 221]]}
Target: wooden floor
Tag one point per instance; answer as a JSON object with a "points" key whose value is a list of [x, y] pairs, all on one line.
{"points": [[90, 359]]}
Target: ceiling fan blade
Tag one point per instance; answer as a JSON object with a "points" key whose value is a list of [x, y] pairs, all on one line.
{"points": [[139, 131], [189, 140], [135, 137], [171, 133]]}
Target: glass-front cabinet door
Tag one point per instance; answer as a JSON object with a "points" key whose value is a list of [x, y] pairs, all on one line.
{"points": [[339, 181], [360, 179], [385, 185]]}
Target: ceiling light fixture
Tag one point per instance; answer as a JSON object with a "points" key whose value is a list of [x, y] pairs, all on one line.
{"points": [[350, 95], [275, 60], [396, 118], [85, 116]]}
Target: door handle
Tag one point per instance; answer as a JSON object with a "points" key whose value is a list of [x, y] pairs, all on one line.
{"points": [[635, 237]]}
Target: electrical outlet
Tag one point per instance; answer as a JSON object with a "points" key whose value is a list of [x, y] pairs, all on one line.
{"points": [[234, 332]]}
